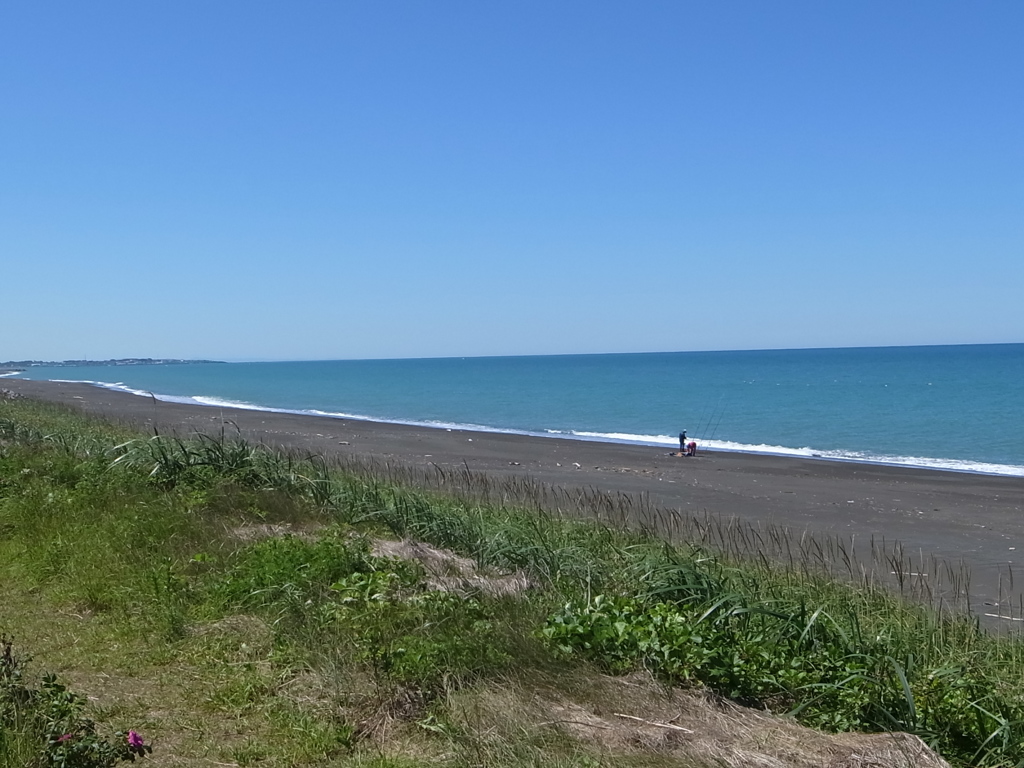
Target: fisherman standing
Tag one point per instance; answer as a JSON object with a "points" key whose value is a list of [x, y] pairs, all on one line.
{"points": [[682, 442]]}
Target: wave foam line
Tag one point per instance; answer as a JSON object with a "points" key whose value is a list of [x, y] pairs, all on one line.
{"points": [[916, 462]]}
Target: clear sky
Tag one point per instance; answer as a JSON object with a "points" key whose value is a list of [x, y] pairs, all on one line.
{"points": [[318, 180]]}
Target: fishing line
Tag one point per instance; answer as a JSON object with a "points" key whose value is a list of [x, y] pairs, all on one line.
{"points": [[716, 425], [712, 416], [700, 421]]}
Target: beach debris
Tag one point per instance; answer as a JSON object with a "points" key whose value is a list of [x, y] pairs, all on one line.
{"points": [[654, 723]]}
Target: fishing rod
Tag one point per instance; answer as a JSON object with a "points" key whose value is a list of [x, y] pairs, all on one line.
{"points": [[716, 425], [704, 433], [701, 419]]}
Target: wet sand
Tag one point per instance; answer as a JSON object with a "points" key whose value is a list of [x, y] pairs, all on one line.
{"points": [[977, 519]]}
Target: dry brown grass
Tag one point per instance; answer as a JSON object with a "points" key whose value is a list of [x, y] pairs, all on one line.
{"points": [[639, 721], [450, 572]]}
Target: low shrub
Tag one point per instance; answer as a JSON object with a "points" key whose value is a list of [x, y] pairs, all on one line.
{"points": [[46, 725]]}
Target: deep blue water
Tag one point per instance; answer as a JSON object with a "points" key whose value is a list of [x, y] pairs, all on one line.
{"points": [[954, 407]]}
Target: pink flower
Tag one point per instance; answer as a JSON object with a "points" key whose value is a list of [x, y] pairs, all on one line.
{"points": [[65, 737], [134, 740]]}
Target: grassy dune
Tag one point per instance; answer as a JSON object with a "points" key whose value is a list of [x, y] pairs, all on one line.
{"points": [[237, 606]]}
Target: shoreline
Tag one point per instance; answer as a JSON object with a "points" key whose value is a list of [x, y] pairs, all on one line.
{"points": [[973, 518], [972, 467]]}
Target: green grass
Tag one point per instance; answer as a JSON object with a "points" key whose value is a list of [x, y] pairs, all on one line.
{"points": [[149, 558]]}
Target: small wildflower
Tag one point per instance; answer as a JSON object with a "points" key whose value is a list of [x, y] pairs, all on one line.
{"points": [[65, 737], [134, 740]]}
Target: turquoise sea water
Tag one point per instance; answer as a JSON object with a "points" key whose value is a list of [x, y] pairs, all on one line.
{"points": [[949, 407]]}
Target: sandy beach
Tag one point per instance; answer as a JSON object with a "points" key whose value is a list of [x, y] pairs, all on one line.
{"points": [[977, 519]]}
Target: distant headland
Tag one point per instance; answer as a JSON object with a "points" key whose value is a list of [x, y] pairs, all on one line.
{"points": [[13, 366]]}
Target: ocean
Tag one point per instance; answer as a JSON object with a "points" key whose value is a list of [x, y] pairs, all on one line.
{"points": [[942, 407]]}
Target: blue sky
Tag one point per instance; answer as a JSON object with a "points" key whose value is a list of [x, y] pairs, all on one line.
{"points": [[318, 180]]}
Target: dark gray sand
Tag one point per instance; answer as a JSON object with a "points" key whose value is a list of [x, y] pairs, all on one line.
{"points": [[977, 519]]}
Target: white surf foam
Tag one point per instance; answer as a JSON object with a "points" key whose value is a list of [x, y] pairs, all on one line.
{"points": [[919, 462]]}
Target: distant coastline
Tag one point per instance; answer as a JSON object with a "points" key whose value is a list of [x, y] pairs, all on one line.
{"points": [[15, 366], [893, 406]]}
